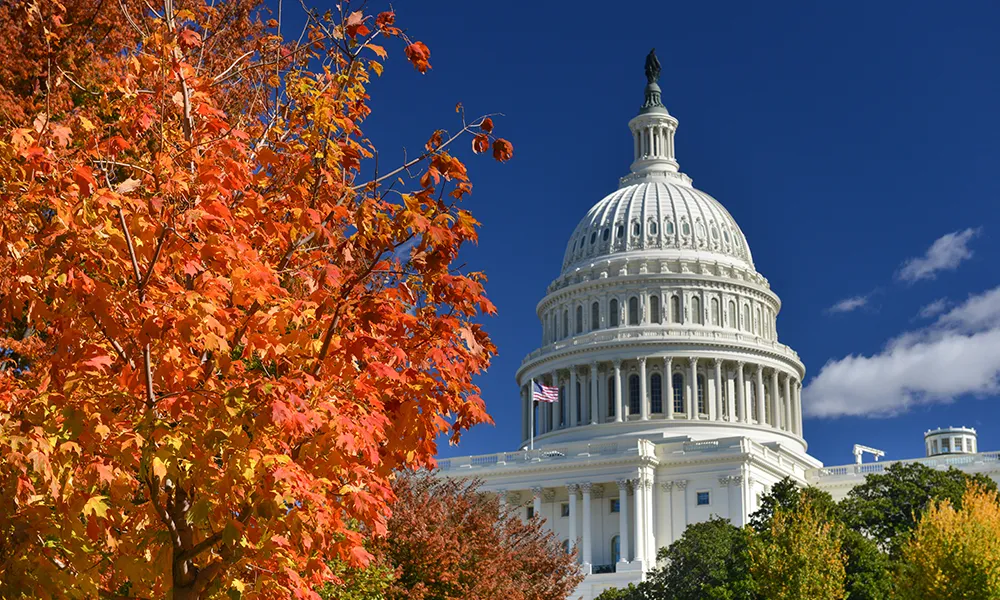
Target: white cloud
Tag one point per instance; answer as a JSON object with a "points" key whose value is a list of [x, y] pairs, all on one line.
{"points": [[945, 254], [958, 354], [934, 308], [849, 304]]}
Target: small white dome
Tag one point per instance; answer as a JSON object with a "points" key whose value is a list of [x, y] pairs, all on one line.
{"points": [[658, 219]]}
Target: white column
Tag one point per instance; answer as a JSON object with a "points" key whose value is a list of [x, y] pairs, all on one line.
{"points": [[759, 382], [775, 405], [693, 406], [618, 391], [741, 392], [668, 364], [638, 486], [537, 501], [572, 489], [557, 406], [788, 403], [525, 404], [679, 504], [737, 514], [798, 408], [623, 519], [587, 517], [718, 389], [643, 396], [573, 417], [650, 532], [593, 393], [663, 536]]}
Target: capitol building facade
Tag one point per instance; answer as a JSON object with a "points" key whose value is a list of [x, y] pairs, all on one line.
{"points": [[677, 401]]}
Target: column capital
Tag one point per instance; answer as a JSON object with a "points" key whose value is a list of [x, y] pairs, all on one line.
{"points": [[536, 491], [666, 485], [681, 483], [668, 359], [593, 365], [693, 360], [759, 369], [724, 481], [736, 479], [573, 488], [642, 360], [618, 363], [622, 484], [717, 361], [586, 487], [647, 483], [740, 364]]}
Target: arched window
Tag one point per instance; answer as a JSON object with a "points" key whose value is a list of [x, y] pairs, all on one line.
{"points": [[701, 395], [652, 227], [670, 228], [636, 229], [613, 313], [756, 327], [716, 312], [633, 311], [606, 234], [656, 393], [595, 316], [633, 394], [732, 315], [579, 319], [611, 396], [675, 308], [678, 381], [566, 323], [654, 309], [616, 549], [579, 413], [593, 237], [746, 318], [696, 309]]}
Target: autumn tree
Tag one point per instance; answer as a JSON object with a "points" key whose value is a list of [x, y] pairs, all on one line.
{"points": [[800, 556], [954, 552], [886, 506], [867, 568], [223, 327], [447, 539]]}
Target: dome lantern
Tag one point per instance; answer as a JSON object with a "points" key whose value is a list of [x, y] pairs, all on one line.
{"points": [[652, 132]]}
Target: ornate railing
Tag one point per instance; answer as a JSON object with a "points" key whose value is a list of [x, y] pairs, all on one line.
{"points": [[930, 461], [666, 333]]}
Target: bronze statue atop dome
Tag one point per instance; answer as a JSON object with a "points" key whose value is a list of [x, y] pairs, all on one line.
{"points": [[652, 67]]}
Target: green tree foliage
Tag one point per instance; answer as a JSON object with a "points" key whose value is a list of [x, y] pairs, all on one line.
{"points": [[799, 557], [954, 552], [709, 561], [867, 568], [887, 505]]}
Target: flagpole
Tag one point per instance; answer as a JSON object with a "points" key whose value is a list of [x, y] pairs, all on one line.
{"points": [[531, 416]]}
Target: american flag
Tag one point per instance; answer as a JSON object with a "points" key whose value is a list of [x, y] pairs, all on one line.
{"points": [[544, 393]]}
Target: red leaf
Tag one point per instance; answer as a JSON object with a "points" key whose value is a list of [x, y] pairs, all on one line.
{"points": [[487, 125], [419, 55], [189, 38], [503, 150], [480, 144]]}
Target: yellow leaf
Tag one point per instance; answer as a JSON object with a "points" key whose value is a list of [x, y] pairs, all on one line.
{"points": [[159, 469], [86, 124], [102, 430], [96, 506]]}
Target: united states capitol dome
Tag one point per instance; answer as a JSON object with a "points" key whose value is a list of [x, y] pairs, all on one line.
{"points": [[659, 219], [659, 325]]}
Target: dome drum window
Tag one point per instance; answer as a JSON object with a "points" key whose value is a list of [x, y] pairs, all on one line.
{"points": [[636, 229], [593, 237]]}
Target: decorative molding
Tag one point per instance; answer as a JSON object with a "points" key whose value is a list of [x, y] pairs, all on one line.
{"points": [[597, 490], [681, 483], [724, 480], [666, 486], [549, 495]]}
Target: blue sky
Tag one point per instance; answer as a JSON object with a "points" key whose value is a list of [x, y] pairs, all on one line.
{"points": [[845, 138]]}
